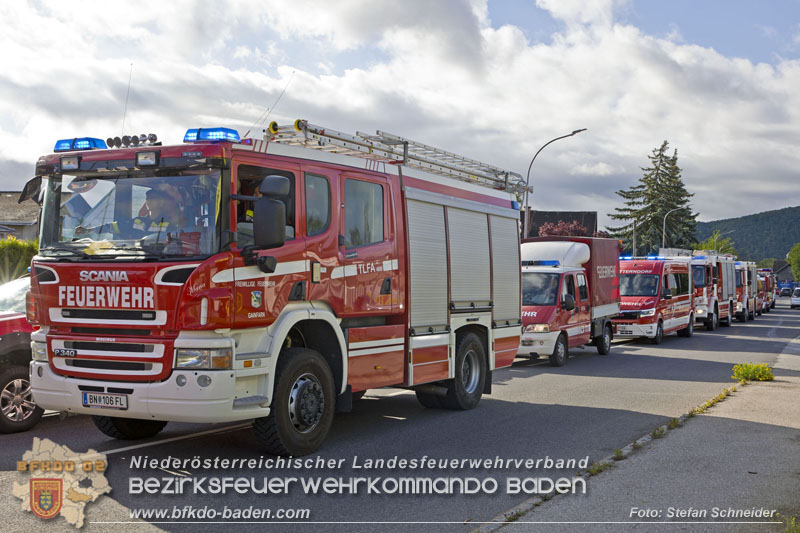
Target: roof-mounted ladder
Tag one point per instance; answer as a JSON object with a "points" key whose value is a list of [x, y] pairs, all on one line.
{"points": [[393, 149]]}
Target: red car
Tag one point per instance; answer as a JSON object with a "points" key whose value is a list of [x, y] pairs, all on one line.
{"points": [[17, 410]]}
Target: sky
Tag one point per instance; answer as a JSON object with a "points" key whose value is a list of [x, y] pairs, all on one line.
{"points": [[493, 80]]}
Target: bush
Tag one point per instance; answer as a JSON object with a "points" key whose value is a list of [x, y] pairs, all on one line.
{"points": [[15, 257], [752, 372]]}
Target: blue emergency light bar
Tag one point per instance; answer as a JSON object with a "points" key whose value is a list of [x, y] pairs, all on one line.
{"points": [[654, 258], [80, 143], [626, 257], [515, 205], [699, 257], [211, 134]]}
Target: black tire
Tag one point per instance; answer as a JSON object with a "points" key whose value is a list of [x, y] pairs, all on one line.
{"points": [[128, 428], [688, 331], [659, 334], [712, 322], [464, 391], [431, 401], [560, 352], [744, 316], [18, 412], [303, 403], [603, 342]]}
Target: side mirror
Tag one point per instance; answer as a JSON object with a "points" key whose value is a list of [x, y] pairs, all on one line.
{"points": [[715, 281], [568, 302], [269, 213], [667, 294], [31, 190]]}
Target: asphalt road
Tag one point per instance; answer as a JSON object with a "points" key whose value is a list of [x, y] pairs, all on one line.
{"points": [[589, 407]]}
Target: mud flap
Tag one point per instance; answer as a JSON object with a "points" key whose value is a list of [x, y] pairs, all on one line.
{"points": [[487, 384], [344, 401]]}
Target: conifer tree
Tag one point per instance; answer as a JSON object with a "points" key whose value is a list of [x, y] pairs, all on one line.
{"points": [[659, 191]]}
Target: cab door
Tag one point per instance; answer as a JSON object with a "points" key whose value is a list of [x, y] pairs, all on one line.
{"points": [[667, 283], [572, 325], [367, 245], [583, 306]]}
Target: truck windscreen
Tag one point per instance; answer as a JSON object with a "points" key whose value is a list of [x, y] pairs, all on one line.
{"points": [[539, 288], [699, 276], [131, 214], [638, 284]]}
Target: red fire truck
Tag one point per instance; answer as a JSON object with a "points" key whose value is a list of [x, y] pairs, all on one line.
{"points": [[570, 292], [714, 281], [656, 298], [746, 291], [767, 279], [272, 279]]}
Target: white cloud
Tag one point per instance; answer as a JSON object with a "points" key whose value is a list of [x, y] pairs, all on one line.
{"points": [[433, 71]]}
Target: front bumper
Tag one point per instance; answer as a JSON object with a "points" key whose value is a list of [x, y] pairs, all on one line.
{"points": [[538, 343], [635, 330], [164, 400]]}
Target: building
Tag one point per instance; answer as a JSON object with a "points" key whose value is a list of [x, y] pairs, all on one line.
{"points": [[587, 219], [782, 271], [19, 220]]}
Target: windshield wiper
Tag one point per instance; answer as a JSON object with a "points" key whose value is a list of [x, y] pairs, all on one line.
{"points": [[73, 251]]}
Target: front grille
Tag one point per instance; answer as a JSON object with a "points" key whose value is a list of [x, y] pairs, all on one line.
{"points": [[629, 315], [108, 314], [109, 365], [109, 346]]}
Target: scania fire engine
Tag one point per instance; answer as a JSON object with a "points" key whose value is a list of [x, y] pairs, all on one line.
{"points": [[272, 279]]}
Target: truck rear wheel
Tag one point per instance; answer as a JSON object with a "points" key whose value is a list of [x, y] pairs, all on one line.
{"points": [[712, 322], [603, 342], [464, 391], [302, 407], [128, 428], [19, 412], [560, 351]]}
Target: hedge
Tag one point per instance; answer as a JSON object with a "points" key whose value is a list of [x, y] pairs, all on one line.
{"points": [[15, 257]]}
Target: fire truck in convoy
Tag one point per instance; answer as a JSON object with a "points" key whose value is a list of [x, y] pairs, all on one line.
{"points": [[746, 291], [656, 298], [714, 282], [272, 279], [767, 277], [570, 292]]}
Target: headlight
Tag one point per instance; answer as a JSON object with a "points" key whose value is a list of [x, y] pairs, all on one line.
{"points": [[39, 351], [648, 312], [538, 328], [738, 306], [213, 359]]}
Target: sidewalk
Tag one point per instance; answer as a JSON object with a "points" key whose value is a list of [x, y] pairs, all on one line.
{"points": [[743, 454]]}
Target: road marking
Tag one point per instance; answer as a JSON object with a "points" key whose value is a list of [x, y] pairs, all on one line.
{"points": [[175, 439]]}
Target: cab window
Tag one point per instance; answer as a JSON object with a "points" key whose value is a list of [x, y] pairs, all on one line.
{"points": [[583, 290], [318, 204], [682, 286], [363, 213], [249, 177], [569, 286]]}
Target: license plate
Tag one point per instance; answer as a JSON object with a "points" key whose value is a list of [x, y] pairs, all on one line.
{"points": [[622, 330], [105, 401]]}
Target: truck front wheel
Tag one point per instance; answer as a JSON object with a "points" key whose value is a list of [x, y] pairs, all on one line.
{"points": [[659, 334], [559, 355], [302, 407], [128, 428], [19, 412], [464, 391]]}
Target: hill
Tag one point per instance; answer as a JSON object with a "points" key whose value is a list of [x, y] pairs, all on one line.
{"points": [[758, 236]]}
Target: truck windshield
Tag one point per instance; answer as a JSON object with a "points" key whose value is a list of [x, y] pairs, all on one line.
{"points": [[638, 284], [699, 276], [131, 214], [539, 288]]}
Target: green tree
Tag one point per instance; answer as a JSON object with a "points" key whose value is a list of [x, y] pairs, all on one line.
{"points": [[723, 246], [766, 263], [659, 191], [15, 257], [793, 257]]}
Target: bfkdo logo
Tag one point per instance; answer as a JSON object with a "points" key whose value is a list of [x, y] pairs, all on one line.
{"points": [[46, 497]]}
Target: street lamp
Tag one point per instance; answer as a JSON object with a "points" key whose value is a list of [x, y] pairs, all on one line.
{"points": [[664, 227], [720, 235], [528, 179]]}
